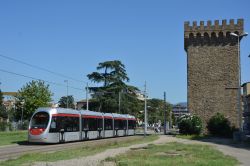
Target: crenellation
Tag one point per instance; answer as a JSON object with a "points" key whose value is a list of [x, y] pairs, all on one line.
{"points": [[194, 25], [231, 23], [216, 27], [224, 23], [240, 22], [202, 25], [216, 24]]}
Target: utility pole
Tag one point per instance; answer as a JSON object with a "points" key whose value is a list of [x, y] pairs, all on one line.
{"points": [[22, 105], [145, 109], [119, 102], [165, 114], [67, 92], [87, 98]]}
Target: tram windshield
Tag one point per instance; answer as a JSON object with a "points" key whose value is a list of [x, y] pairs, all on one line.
{"points": [[40, 120]]}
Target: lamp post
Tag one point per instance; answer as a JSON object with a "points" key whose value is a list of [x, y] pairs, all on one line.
{"points": [[67, 92], [239, 72]]}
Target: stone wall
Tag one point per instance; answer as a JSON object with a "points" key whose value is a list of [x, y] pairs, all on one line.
{"points": [[212, 67]]}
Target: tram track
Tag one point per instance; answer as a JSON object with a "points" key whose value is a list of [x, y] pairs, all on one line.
{"points": [[14, 151]]}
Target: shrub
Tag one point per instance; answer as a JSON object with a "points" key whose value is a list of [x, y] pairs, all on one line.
{"points": [[190, 124], [220, 126], [3, 126], [6, 126]]}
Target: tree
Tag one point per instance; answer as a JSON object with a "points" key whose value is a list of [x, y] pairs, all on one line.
{"points": [[63, 102], [31, 96], [156, 108], [114, 72], [3, 111], [113, 76]]}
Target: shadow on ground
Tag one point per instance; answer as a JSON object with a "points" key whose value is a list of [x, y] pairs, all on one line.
{"points": [[223, 141]]}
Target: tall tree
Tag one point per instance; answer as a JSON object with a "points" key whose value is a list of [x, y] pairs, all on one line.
{"points": [[67, 99], [114, 77], [114, 72], [31, 96], [156, 108]]}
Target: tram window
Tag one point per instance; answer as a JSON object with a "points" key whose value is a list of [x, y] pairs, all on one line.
{"points": [[92, 124], [54, 125], [108, 125], [125, 124], [85, 124], [120, 124], [40, 120], [131, 124], [117, 124], [69, 124], [75, 124], [100, 124], [89, 124]]}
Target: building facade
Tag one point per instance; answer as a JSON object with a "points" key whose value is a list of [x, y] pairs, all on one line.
{"points": [[179, 110], [212, 68]]}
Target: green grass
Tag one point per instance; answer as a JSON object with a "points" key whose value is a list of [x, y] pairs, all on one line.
{"points": [[12, 137], [176, 154], [74, 153], [192, 137]]}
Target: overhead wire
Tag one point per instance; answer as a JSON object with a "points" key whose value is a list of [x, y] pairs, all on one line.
{"points": [[41, 68], [33, 78]]}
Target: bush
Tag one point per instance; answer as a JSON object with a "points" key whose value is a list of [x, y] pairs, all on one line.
{"points": [[190, 124], [220, 126], [4, 126]]}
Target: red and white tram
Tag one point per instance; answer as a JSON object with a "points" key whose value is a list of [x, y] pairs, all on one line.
{"points": [[54, 125]]}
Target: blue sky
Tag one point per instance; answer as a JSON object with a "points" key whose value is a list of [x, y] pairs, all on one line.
{"points": [[72, 37]]}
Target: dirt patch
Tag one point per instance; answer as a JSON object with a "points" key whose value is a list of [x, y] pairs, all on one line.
{"points": [[168, 154], [140, 148]]}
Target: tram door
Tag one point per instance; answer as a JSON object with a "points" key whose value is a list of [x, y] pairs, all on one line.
{"points": [[61, 135]]}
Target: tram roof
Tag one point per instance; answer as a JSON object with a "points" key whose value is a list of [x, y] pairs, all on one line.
{"points": [[83, 112], [87, 112]]}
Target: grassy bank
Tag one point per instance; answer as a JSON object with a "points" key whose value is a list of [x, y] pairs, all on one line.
{"points": [[12, 137], [174, 154], [74, 153]]}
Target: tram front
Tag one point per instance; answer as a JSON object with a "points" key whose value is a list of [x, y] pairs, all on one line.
{"points": [[38, 127]]}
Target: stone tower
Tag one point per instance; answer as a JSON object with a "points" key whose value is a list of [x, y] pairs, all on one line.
{"points": [[212, 68]]}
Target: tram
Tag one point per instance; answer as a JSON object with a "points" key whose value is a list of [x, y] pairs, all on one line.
{"points": [[58, 125]]}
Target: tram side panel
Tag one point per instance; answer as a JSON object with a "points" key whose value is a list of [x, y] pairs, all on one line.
{"points": [[131, 127], [92, 128], [120, 127], [108, 127], [65, 128]]}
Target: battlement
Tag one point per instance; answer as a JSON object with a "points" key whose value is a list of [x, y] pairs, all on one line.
{"points": [[213, 29]]}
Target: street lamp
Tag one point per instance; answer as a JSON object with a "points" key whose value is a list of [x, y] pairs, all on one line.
{"points": [[239, 72]]}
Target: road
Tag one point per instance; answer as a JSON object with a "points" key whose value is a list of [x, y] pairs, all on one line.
{"points": [[13, 151]]}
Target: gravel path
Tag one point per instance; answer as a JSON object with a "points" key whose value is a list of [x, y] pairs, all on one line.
{"points": [[240, 154]]}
